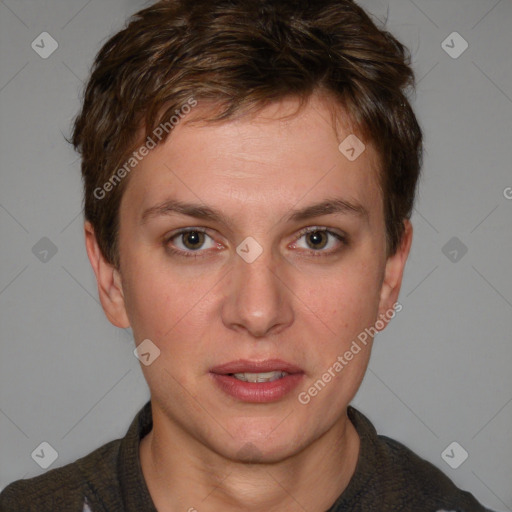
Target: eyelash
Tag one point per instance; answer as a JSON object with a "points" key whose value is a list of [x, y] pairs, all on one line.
{"points": [[200, 254]]}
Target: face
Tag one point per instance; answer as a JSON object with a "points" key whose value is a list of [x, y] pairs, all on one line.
{"points": [[248, 247]]}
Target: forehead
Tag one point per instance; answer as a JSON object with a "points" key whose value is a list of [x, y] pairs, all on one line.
{"points": [[278, 157]]}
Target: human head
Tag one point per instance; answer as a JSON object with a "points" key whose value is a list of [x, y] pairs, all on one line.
{"points": [[239, 56], [261, 137]]}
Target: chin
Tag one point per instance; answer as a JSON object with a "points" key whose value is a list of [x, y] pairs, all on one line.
{"points": [[254, 447]]}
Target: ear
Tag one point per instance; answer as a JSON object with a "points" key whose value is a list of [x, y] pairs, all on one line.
{"points": [[393, 274], [108, 278]]}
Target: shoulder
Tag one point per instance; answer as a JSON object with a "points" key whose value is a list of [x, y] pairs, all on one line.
{"points": [[430, 485], [402, 480], [66, 487]]}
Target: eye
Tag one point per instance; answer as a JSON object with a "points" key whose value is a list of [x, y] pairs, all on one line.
{"points": [[194, 242], [189, 241], [321, 240]]}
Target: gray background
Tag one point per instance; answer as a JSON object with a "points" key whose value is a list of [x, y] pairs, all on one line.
{"points": [[439, 373]]}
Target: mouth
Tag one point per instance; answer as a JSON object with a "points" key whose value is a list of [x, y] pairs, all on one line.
{"points": [[259, 377], [257, 381]]}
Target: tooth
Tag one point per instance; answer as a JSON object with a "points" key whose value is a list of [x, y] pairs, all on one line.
{"points": [[259, 377]]}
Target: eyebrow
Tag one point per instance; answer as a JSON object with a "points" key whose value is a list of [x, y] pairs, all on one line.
{"points": [[326, 207]]}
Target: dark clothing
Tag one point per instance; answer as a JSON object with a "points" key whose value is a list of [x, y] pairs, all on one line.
{"points": [[388, 477]]}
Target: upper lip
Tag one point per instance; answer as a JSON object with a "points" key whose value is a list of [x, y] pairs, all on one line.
{"points": [[247, 366]]}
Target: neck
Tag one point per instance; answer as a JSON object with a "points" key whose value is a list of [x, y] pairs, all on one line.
{"points": [[187, 476]]}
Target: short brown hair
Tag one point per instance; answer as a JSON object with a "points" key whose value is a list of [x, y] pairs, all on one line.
{"points": [[245, 54]]}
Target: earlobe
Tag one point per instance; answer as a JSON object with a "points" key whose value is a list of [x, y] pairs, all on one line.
{"points": [[393, 275], [109, 281]]}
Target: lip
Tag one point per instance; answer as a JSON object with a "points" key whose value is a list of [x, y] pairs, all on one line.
{"points": [[245, 365], [257, 392]]}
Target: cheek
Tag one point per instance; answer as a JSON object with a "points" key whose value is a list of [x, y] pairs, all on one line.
{"points": [[166, 306], [151, 301], [346, 304], [346, 300]]}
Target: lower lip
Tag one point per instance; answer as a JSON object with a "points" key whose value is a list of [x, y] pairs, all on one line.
{"points": [[257, 392]]}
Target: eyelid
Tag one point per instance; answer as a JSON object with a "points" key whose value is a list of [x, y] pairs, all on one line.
{"points": [[190, 253], [340, 236], [312, 229], [181, 231]]}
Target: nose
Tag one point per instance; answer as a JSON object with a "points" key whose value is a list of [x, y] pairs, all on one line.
{"points": [[258, 300]]}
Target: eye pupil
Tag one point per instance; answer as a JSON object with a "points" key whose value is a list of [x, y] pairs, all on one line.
{"points": [[317, 239], [193, 239]]}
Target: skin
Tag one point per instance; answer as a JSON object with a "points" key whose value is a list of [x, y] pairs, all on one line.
{"points": [[208, 451]]}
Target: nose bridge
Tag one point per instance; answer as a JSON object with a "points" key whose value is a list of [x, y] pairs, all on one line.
{"points": [[257, 299]]}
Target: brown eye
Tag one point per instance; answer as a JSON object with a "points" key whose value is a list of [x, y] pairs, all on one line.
{"points": [[317, 239], [193, 240]]}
